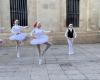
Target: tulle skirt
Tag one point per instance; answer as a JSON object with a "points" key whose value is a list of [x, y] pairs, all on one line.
{"points": [[41, 40], [18, 37]]}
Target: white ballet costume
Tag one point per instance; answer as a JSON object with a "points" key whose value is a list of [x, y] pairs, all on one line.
{"points": [[40, 36], [17, 34]]}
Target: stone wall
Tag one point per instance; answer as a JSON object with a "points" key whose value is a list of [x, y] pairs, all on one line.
{"points": [[5, 14], [52, 15], [94, 14], [48, 13]]}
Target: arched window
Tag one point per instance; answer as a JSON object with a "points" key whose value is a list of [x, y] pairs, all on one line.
{"points": [[72, 12], [18, 10]]}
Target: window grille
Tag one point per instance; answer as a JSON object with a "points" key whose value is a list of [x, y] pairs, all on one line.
{"points": [[18, 10], [72, 11]]}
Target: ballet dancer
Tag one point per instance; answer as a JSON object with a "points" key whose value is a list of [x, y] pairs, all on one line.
{"points": [[18, 35], [70, 34], [39, 37]]}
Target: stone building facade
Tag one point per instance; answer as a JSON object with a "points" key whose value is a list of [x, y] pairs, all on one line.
{"points": [[52, 14]]}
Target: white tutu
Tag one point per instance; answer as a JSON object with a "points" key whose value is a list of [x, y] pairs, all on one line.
{"points": [[17, 34], [41, 40], [41, 37], [18, 37]]}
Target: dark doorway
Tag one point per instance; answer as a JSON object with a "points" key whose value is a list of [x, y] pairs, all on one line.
{"points": [[18, 10], [72, 11]]}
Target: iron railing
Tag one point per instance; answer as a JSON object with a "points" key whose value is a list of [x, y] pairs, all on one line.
{"points": [[18, 10], [72, 12]]}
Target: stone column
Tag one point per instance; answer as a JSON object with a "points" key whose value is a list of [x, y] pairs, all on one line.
{"points": [[32, 11], [48, 12], [5, 13], [63, 15], [94, 15], [99, 19], [0, 15]]}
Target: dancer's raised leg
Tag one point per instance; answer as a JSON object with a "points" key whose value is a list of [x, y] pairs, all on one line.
{"points": [[47, 47]]}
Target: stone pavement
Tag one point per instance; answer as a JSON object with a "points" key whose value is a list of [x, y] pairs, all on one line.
{"points": [[58, 65]]}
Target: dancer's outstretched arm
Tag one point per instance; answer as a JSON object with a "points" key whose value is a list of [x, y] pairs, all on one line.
{"points": [[66, 33]]}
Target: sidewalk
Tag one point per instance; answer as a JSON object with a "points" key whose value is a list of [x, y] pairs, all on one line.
{"points": [[58, 65]]}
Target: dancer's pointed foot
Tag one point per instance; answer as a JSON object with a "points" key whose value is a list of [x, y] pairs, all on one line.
{"points": [[40, 61], [18, 55], [71, 53]]}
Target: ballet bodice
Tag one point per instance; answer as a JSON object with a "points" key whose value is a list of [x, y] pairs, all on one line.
{"points": [[16, 29], [38, 32]]}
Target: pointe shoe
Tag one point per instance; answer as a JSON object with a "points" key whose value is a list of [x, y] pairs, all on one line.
{"points": [[70, 53], [40, 61], [18, 55]]}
